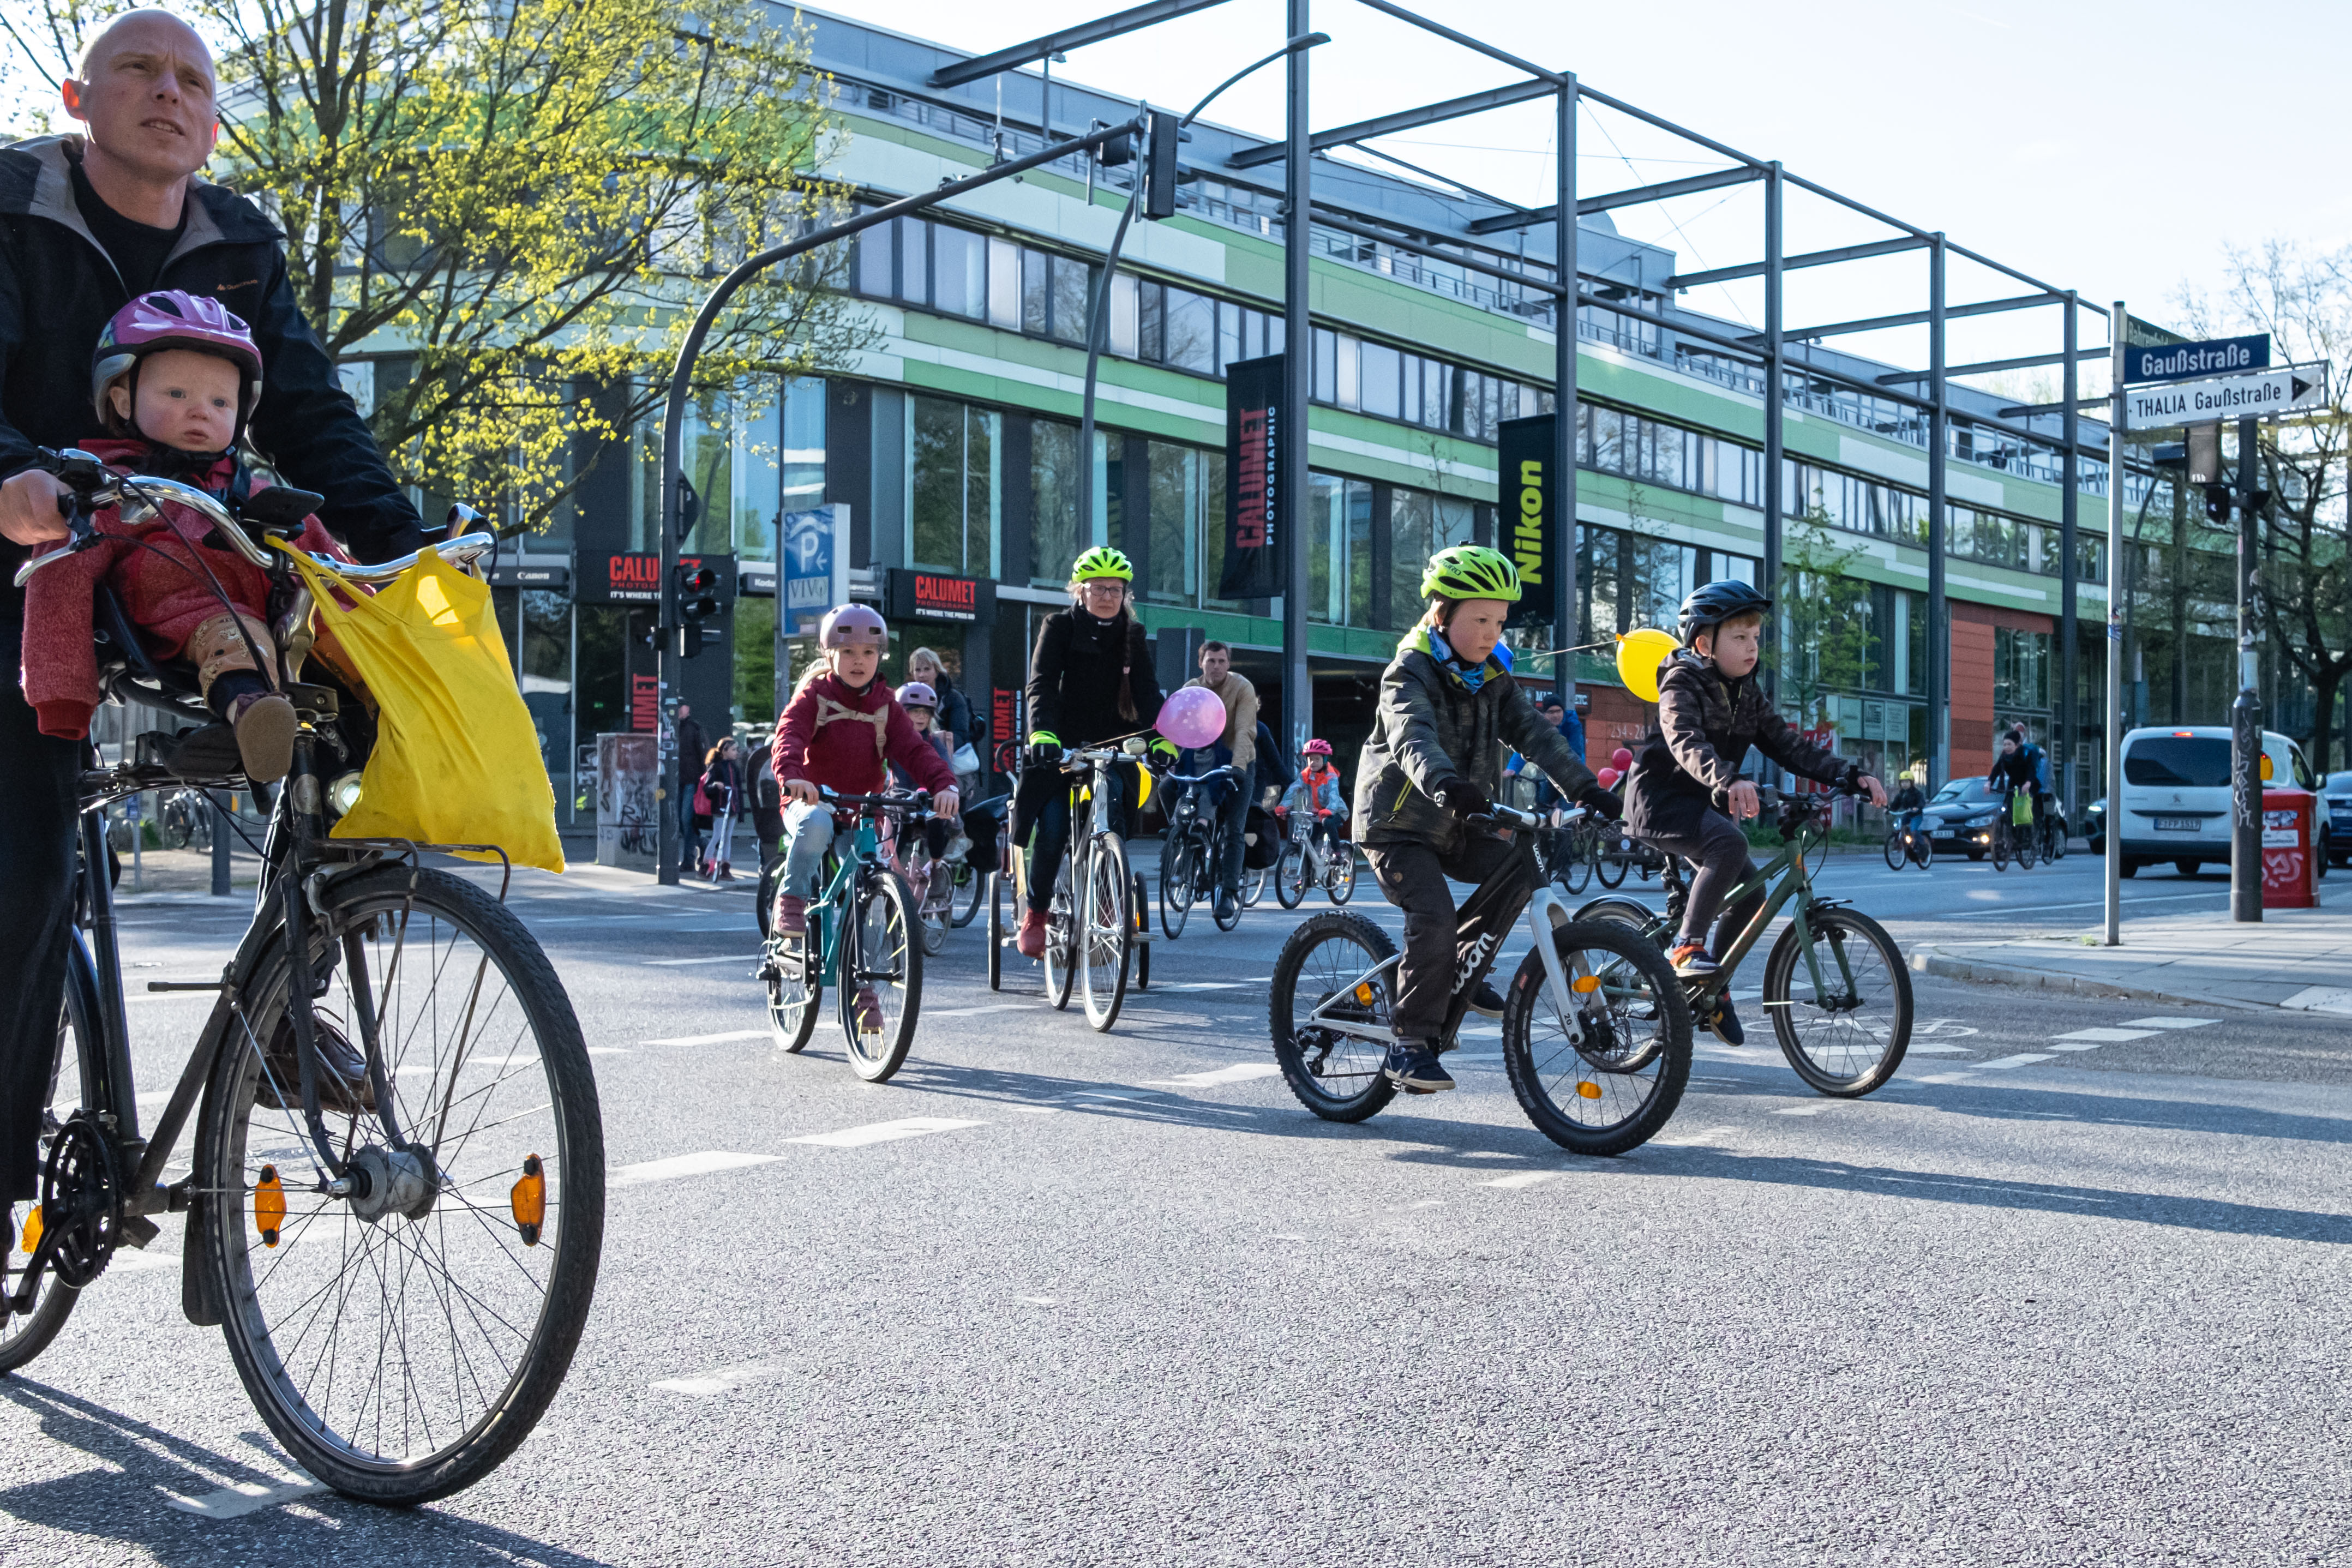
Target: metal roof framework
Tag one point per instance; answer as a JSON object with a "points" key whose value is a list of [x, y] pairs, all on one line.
{"points": [[1768, 351]]}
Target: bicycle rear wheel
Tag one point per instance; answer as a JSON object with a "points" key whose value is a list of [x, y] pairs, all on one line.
{"points": [[1106, 931], [1253, 886], [928, 881], [401, 1340], [1612, 1090], [1336, 1075], [1339, 882], [1845, 1034], [1922, 848], [1176, 882], [24, 1335], [1610, 868], [881, 975], [2028, 850], [971, 887], [1062, 939], [996, 930], [1575, 869]]}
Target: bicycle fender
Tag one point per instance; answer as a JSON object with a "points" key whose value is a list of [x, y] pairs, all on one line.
{"points": [[200, 1296], [1546, 916]]}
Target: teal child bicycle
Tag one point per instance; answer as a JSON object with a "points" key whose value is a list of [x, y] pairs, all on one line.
{"points": [[864, 940]]}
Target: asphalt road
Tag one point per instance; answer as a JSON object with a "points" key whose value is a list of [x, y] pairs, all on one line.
{"points": [[2041, 1299]]}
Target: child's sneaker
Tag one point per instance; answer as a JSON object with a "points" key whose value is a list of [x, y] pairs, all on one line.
{"points": [[1691, 961], [792, 915], [265, 722], [869, 1011]]}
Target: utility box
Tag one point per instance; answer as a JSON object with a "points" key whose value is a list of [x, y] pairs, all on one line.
{"points": [[628, 800], [2290, 862]]}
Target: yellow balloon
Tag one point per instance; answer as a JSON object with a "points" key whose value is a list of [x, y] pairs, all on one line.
{"points": [[1639, 654]]}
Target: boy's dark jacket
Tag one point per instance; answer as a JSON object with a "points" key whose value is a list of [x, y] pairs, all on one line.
{"points": [[1432, 729], [1705, 725]]}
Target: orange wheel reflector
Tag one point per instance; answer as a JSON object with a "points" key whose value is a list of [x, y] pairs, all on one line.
{"points": [[1589, 1089], [1365, 994], [1585, 984], [32, 1237], [269, 1206], [530, 1200]]}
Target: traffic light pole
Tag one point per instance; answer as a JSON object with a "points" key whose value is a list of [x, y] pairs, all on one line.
{"points": [[1290, 479], [2113, 891], [2246, 713], [666, 634]]}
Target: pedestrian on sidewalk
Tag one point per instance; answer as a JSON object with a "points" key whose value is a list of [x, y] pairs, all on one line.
{"points": [[722, 791], [692, 749]]}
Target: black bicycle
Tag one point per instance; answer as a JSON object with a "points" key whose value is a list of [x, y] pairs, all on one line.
{"points": [[1190, 853], [1907, 842], [396, 1204], [1596, 1029]]}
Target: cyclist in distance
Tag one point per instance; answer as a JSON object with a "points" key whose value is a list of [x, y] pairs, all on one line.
{"points": [[1237, 747], [1317, 789], [842, 725], [2013, 771], [1907, 803], [1449, 708], [1090, 680], [1710, 711]]}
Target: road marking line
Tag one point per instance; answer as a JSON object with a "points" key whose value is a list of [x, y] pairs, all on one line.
{"points": [[1041, 1301], [2025, 1058], [1699, 1140], [709, 1038], [1240, 1072], [975, 1012], [608, 1050], [884, 1132], [726, 1380], [1524, 1178], [2091, 1036], [679, 963], [244, 1497], [1961, 1077], [1932, 1047], [2168, 1023], [1798, 1111], [2320, 999], [703, 1163], [1204, 985], [2022, 907]]}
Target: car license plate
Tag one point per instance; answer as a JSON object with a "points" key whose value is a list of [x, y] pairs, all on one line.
{"points": [[2177, 824]]}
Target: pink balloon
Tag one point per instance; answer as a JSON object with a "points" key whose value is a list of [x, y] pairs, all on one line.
{"points": [[1608, 778], [1193, 716], [1621, 759]]}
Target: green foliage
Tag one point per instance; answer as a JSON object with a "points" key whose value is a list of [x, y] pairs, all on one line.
{"points": [[1826, 643], [524, 202]]}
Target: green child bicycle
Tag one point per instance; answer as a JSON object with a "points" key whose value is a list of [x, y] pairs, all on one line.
{"points": [[864, 940]]}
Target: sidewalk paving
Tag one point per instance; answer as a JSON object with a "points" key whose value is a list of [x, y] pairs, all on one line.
{"points": [[2296, 958]]}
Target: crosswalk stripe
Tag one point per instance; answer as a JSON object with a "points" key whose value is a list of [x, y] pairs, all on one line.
{"points": [[244, 1497], [731, 1034], [884, 1132], [677, 1166]]}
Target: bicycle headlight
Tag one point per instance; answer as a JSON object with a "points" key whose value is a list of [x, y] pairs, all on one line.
{"points": [[343, 794]]}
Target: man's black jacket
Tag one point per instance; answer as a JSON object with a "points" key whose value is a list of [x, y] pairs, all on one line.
{"points": [[58, 289]]}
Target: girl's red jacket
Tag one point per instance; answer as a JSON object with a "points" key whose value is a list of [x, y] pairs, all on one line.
{"points": [[164, 592], [833, 734]]}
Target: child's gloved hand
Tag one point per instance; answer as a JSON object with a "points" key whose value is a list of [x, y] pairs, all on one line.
{"points": [[1602, 802], [1464, 799]]}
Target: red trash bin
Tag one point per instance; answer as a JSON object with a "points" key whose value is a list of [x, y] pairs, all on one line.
{"points": [[2290, 869]]}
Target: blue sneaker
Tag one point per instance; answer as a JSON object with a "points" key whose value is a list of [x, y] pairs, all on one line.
{"points": [[1724, 1024], [1412, 1067]]}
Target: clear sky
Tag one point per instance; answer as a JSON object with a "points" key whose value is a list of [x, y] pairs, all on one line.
{"points": [[2110, 147]]}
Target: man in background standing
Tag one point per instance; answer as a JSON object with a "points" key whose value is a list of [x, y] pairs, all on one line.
{"points": [[691, 747]]}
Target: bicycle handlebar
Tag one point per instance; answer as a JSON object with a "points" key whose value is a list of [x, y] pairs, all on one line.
{"points": [[1227, 770]]}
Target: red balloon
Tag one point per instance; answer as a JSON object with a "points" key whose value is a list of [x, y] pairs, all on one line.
{"points": [[1621, 759], [1608, 778]]}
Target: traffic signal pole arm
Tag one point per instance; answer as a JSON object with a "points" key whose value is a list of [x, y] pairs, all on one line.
{"points": [[681, 380]]}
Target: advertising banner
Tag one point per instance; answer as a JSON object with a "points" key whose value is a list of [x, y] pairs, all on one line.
{"points": [[1257, 514], [936, 596], [1523, 519]]}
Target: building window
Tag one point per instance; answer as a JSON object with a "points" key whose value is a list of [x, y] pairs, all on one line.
{"points": [[1420, 525], [959, 272], [2021, 668], [1339, 551], [953, 487], [1053, 480]]}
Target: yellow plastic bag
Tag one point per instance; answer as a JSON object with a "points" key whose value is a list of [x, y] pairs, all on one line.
{"points": [[456, 757]]}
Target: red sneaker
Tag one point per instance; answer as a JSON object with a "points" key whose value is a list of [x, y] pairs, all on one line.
{"points": [[869, 1011], [792, 915], [1030, 940]]}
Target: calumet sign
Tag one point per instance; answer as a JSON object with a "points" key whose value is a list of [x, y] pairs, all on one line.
{"points": [[2186, 362]]}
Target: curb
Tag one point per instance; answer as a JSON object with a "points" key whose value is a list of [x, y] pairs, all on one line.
{"points": [[1981, 973]]}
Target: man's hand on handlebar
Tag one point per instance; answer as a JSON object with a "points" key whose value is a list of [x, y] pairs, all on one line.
{"points": [[32, 508], [801, 790], [1871, 786], [1741, 801], [946, 803]]}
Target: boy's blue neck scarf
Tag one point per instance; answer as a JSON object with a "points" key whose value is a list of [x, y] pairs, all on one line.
{"points": [[1470, 678]]}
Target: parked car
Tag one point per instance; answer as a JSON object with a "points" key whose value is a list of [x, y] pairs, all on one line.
{"points": [[2176, 796], [2336, 816]]}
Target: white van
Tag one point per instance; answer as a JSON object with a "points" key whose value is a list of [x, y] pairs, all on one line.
{"points": [[2176, 795]]}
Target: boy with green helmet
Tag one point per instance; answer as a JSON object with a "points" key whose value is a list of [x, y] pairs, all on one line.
{"points": [[1450, 710]]}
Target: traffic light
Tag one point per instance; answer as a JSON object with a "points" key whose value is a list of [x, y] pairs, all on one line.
{"points": [[2217, 504], [698, 600], [1117, 153], [1160, 137]]}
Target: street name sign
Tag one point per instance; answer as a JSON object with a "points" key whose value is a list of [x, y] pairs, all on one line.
{"points": [[2186, 362], [2225, 397]]}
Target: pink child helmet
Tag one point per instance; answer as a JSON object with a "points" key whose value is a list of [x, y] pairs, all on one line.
{"points": [[915, 694], [1319, 746], [853, 626], [174, 319]]}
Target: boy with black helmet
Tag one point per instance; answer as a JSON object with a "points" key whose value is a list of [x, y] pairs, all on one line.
{"points": [[1449, 710], [1686, 776]]}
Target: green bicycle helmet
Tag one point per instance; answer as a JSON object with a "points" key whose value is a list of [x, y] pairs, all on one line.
{"points": [[1471, 571], [1102, 562]]}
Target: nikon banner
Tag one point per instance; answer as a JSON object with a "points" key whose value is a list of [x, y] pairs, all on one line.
{"points": [[1257, 514], [1523, 511]]}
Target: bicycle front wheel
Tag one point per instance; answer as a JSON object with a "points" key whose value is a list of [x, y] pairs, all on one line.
{"points": [[401, 1340], [1176, 855], [881, 975], [1342, 966], [2000, 846], [1844, 1016], [1340, 884], [2027, 850], [1897, 852], [1290, 876], [1607, 1081], [1061, 937], [1106, 931], [793, 972]]}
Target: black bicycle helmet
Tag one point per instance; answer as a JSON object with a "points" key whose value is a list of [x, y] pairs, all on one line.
{"points": [[1718, 603]]}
